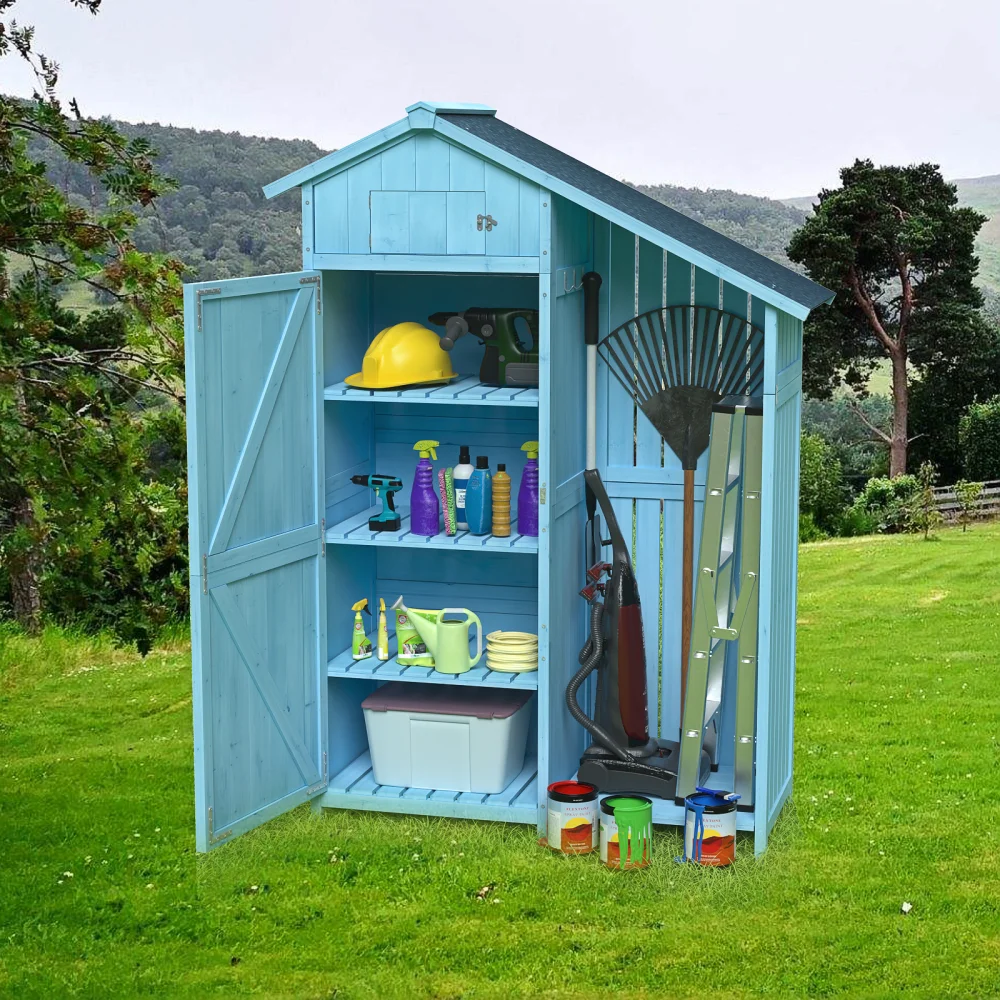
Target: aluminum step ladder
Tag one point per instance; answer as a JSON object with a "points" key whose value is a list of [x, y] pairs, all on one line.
{"points": [[726, 599]]}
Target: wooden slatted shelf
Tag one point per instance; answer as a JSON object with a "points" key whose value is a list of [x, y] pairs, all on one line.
{"points": [[354, 530], [354, 787], [372, 668], [467, 390]]}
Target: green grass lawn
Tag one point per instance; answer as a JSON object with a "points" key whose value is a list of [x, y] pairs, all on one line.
{"points": [[896, 800]]}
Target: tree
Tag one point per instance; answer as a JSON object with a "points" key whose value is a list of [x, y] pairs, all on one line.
{"points": [[821, 483], [979, 440], [948, 385], [923, 512], [893, 244], [69, 387], [968, 495]]}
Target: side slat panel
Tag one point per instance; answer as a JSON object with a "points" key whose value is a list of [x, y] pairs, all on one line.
{"points": [[779, 568], [561, 548]]}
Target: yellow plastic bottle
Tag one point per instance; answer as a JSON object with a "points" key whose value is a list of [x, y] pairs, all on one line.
{"points": [[501, 502], [382, 649]]}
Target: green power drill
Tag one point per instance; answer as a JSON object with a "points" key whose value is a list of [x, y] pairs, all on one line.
{"points": [[507, 360], [384, 486]]}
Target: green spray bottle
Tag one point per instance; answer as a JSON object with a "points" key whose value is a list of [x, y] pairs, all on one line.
{"points": [[361, 646]]}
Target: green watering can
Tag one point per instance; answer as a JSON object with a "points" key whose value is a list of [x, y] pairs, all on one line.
{"points": [[447, 640]]}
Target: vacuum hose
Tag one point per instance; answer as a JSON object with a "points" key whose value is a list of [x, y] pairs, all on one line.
{"points": [[590, 657]]}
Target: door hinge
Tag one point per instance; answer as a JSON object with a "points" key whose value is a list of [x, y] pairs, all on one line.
{"points": [[213, 837], [322, 537], [322, 783], [315, 280], [541, 496], [489, 220], [198, 297], [204, 573]]}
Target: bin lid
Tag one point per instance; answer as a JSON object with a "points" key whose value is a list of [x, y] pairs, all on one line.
{"points": [[446, 699]]}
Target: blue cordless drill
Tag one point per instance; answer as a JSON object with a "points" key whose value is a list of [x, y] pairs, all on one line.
{"points": [[384, 486]]}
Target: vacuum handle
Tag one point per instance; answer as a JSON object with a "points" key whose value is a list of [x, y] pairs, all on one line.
{"points": [[591, 333], [591, 315]]}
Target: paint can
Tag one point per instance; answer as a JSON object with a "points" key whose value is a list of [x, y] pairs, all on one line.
{"points": [[610, 845], [710, 827], [572, 825]]}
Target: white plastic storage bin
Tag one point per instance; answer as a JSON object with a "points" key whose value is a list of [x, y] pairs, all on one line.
{"points": [[455, 739]]}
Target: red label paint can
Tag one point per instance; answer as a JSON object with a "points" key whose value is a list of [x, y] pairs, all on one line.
{"points": [[572, 826]]}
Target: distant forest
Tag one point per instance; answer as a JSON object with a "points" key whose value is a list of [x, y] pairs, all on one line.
{"points": [[221, 226], [217, 221]]}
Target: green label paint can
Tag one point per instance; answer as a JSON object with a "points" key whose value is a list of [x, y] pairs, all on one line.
{"points": [[638, 849]]}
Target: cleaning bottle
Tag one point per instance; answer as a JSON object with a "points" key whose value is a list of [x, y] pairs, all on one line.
{"points": [[382, 649], [527, 495], [361, 646], [501, 502], [479, 497], [424, 504], [460, 475]]}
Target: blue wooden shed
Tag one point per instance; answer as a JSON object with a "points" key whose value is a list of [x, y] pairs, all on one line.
{"points": [[447, 207]]}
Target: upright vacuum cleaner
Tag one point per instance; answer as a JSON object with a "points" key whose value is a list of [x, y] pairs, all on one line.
{"points": [[623, 756]]}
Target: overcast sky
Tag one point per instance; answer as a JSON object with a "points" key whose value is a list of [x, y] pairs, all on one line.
{"points": [[765, 96]]}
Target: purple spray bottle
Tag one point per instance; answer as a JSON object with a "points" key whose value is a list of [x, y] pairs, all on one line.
{"points": [[424, 519], [527, 495]]}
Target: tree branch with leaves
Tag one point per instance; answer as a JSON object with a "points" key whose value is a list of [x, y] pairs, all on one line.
{"points": [[71, 386], [895, 245]]}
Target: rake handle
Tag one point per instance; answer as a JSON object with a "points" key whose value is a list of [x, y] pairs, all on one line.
{"points": [[687, 581]]}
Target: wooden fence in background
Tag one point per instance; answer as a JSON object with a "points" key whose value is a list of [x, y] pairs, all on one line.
{"points": [[988, 504]]}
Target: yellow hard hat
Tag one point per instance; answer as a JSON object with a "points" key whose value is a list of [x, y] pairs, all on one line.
{"points": [[404, 354]]}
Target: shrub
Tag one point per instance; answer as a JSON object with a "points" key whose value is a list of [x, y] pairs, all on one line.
{"points": [[979, 440], [809, 531], [821, 484], [855, 521], [886, 502]]}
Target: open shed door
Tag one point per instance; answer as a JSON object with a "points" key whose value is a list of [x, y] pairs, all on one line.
{"points": [[258, 605]]}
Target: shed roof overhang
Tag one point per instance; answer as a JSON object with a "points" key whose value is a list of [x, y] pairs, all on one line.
{"points": [[476, 128]]}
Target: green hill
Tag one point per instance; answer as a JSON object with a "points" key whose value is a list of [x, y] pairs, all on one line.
{"points": [[217, 221], [982, 193], [759, 223]]}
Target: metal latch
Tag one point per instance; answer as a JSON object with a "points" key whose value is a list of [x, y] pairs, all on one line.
{"points": [[489, 220]]}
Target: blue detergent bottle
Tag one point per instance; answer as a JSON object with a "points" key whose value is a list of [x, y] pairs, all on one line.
{"points": [[479, 498]]}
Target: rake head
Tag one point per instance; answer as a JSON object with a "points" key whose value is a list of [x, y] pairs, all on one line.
{"points": [[678, 361]]}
